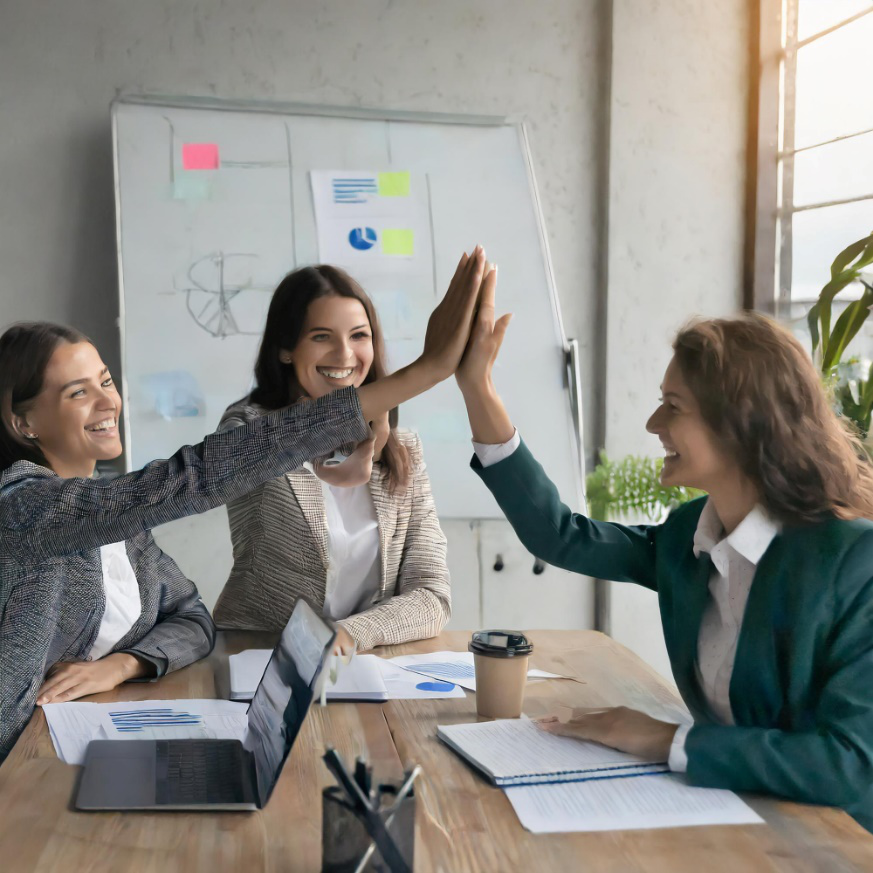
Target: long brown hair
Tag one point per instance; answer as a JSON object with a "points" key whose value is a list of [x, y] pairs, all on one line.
{"points": [[760, 393], [25, 350], [276, 385]]}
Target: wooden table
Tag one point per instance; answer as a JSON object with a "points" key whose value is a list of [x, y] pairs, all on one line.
{"points": [[462, 822]]}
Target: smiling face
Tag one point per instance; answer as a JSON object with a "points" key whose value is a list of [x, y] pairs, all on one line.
{"points": [[693, 456], [335, 349], [75, 415]]}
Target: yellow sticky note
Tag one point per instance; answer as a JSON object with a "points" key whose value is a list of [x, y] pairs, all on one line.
{"points": [[397, 242], [393, 184]]}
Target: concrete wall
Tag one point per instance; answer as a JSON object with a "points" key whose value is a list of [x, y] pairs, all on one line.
{"points": [[676, 199]]}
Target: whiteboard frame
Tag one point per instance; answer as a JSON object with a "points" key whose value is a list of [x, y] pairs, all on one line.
{"points": [[268, 107]]}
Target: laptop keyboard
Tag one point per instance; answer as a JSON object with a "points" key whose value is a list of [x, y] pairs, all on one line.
{"points": [[200, 771]]}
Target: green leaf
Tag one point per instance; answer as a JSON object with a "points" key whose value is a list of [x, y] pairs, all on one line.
{"points": [[849, 254], [847, 326], [825, 303]]}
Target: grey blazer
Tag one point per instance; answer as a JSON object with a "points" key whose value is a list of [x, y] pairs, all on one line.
{"points": [[280, 550], [51, 529]]}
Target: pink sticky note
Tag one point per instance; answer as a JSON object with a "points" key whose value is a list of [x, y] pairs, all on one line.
{"points": [[200, 156]]}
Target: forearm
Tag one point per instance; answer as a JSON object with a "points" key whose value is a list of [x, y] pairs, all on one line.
{"points": [[180, 639], [415, 615], [818, 766], [489, 421], [378, 397]]}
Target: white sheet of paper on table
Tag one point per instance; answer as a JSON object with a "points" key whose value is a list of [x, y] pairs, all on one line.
{"points": [[73, 725], [454, 667], [662, 800]]}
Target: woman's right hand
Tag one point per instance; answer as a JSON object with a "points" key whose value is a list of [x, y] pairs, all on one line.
{"points": [[474, 372], [448, 329]]}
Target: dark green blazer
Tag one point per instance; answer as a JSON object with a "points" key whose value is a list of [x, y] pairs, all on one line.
{"points": [[802, 685]]}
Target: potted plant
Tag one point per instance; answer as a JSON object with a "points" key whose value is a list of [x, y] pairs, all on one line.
{"points": [[632, 486], [849, 380]]}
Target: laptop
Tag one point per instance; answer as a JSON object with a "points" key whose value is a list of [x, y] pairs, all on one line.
{"points": [[207, 774]]}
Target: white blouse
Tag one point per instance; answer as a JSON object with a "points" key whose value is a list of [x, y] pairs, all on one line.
{"points": [[354, 572], [123, 605]]}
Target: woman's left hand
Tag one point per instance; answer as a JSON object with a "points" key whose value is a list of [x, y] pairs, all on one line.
{"points": [[627, 730], [68, 681]]}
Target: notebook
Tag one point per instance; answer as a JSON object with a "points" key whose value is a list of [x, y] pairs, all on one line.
{"points": [[516, 752], [360, 679]]}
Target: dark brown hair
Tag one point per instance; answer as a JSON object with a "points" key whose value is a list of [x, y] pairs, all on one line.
{"points": [[25, 350], [759, 391], [276, 384]]}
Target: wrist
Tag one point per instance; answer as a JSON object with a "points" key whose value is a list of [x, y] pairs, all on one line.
{"points": [[478, 390], [129, 666]]}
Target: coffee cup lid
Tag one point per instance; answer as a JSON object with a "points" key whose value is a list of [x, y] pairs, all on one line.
{"points": [[500, 643]]}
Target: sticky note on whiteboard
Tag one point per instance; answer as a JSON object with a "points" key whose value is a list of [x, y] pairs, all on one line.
{"points": [[394, 184], [398, 242], [199, 156]]}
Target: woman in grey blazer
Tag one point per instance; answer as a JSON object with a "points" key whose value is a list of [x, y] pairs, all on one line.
{"points": [[87, 600], [361, 541]]}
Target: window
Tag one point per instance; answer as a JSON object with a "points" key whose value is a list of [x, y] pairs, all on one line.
{"points": [[812, 193]]}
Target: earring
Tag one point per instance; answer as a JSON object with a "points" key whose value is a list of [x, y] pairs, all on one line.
{"points": [[31, 436], [285, 358]]}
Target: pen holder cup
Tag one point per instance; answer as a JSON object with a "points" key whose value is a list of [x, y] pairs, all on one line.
{"points": [[345, 839]]}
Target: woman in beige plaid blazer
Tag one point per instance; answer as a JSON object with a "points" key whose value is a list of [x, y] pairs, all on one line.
{"points": [[322, 334]]}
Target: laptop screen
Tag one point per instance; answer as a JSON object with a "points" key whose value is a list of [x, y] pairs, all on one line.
{"points": [[283, 698]]}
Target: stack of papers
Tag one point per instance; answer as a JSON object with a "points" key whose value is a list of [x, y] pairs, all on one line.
{"points": [[365, 677], [73, 725]]}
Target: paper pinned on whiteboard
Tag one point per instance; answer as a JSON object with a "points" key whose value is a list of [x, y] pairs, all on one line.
{"points": [[374, 223]]}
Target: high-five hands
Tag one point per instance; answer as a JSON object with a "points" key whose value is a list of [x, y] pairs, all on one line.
{"points": [[448, 329], [474, 372]]}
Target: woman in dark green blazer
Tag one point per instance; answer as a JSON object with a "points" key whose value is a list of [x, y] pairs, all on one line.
{"points": [[765, 587]]}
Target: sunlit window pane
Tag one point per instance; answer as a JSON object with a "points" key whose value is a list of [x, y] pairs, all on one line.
{"points": [[834, 96], [818, 236], [834, 172], [814, 16]]}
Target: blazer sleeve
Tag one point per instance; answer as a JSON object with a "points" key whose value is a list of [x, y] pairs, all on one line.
{"points": [[552, 532], [184, 631], [831, 763], [47, 516], [423, 602]]}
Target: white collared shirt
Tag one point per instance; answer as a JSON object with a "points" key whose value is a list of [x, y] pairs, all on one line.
{"points": [[735, 559], [123, 604]]}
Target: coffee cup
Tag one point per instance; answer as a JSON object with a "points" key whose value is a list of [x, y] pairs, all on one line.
{"points": [[500, 658]]}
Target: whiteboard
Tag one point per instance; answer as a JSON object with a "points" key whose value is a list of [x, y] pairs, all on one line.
{"points": [[215, 203]]}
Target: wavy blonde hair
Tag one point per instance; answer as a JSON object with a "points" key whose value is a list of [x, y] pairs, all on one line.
{"points": [[760, 393]]}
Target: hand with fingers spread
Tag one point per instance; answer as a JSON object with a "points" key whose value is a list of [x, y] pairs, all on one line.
{"points": [[474, 373], [74, 679], [627, 730], [489, 420], [449, 326]]}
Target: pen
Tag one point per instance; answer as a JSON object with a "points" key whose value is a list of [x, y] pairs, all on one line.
{"points": [[372, 820], [401, 794]]}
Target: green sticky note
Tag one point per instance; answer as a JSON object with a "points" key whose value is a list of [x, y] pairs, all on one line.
{"points": [[398, 242], [192, 186], [393, 184]]}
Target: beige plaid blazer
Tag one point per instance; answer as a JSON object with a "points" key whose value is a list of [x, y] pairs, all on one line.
{"points": [[280, 551]]}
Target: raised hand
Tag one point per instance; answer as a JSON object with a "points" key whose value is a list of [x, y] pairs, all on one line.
{"points": [[474, 372], [448, 329]]}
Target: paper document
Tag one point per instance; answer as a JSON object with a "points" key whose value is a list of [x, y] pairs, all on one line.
{"points": [[516, 752], [73, 725], [661, 800], [454, 667], [365, 677]]}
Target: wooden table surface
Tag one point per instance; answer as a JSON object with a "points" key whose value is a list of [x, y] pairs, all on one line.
{"points": [[462, 822]]}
